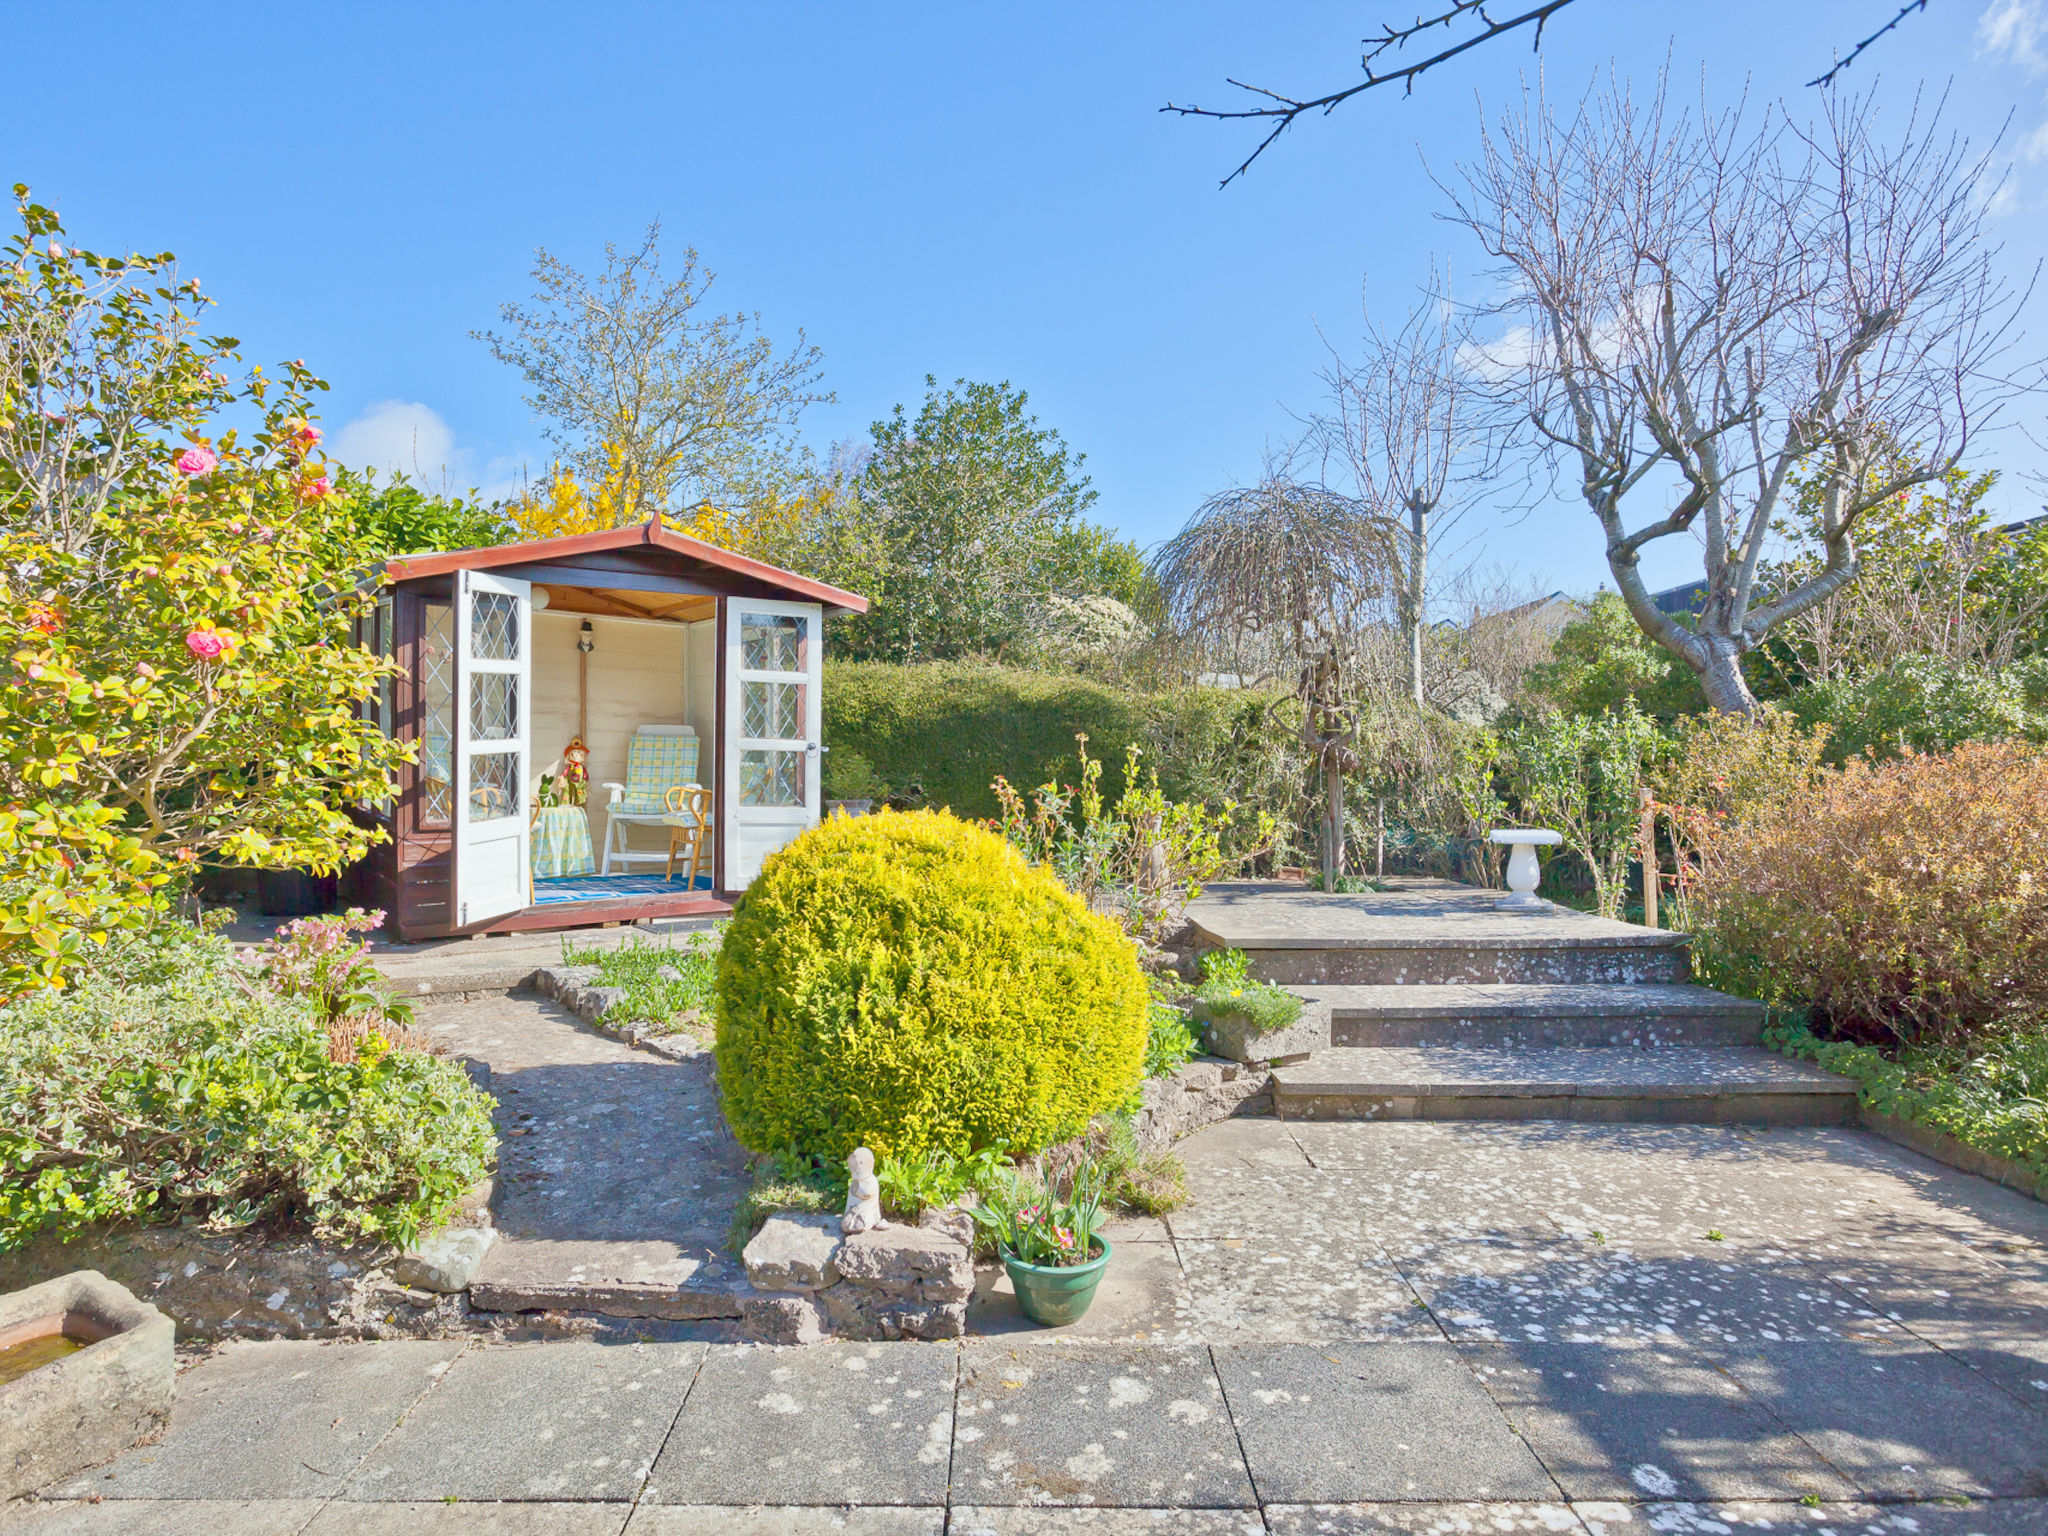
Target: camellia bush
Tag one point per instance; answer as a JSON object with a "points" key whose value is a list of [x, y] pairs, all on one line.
{"points": [[177, 608], [176, 1083], [907, 982], [1905, 902]]}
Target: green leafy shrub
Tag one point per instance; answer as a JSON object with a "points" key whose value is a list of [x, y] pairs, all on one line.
{"points": [[1170, 1042], [1994, 1097], [912, 1186], [906, 981], [188, 1090], [1923, 704], [1905, 901], [849, 776], [1229, 990]]}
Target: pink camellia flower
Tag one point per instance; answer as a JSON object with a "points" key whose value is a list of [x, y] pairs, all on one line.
{"points": [[316, 489], [56, 250], [197, 461], [206, 644], [144, 669], [307, 435]]}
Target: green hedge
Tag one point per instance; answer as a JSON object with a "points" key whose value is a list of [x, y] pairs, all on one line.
{"points": [[952, 727]]}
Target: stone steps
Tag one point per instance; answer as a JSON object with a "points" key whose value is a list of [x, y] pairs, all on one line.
{"points": [[1537, 1014], [1700, 1085], [1442, 1004]]}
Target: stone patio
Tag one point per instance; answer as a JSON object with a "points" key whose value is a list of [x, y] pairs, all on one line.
{"points": [[1394, 1328]]}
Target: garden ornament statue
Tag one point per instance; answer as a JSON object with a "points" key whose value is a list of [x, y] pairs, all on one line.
{"points": [[863, 1195], [1523, 871]]}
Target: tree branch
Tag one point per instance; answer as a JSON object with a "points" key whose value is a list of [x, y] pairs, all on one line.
{"points": [[1841, 64], [1287, 108]]}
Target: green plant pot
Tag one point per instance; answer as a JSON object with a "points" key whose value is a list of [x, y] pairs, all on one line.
{"points": [[1054, 1295]]}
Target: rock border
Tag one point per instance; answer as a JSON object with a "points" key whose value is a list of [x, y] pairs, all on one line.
{"points": [[1947, 1150], [575, 988]]}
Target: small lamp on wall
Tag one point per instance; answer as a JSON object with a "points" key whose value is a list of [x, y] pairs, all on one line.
{"points": [[584, 641]]}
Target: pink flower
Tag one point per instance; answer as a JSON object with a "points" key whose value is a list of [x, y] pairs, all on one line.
{"points": [[144, 669], [56, 250], [319, 488], [197, 461], [307, 435], [206, 644]]}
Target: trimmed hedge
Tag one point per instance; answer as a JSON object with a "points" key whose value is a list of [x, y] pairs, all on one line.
{"points": [[905, 981], [953, 726]]}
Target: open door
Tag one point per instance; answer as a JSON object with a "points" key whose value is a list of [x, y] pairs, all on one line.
{"points": [[493, 677], [774, 665]]}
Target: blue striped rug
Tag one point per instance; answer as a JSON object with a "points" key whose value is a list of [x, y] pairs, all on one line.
{"points": [[610, 888]]}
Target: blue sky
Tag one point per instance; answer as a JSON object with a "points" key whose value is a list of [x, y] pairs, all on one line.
{"points": [[975, 190]]}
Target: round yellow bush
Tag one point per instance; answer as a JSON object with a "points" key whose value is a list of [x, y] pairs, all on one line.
{"points": [[908, 982]]}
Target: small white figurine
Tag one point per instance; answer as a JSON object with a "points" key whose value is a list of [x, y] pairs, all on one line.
{"points": [[863, 1195]]}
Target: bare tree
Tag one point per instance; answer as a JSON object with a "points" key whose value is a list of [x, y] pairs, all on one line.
{"points": [[1283, 577], [1700, 309], [645, 387], [1404, 421]]}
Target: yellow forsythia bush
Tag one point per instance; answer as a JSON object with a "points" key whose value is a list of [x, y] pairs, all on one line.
{"points": [[908, 982], [1905, 900]]}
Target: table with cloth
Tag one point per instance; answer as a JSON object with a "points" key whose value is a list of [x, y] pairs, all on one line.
{"points": [[561, 842]]}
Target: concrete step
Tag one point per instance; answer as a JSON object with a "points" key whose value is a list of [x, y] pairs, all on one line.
{"points": [[1538, 1014], [1698, 1085], [1428, 933]]}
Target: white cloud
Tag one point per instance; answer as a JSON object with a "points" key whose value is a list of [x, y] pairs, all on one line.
{"points": [[2018, 30], [400, 437]]}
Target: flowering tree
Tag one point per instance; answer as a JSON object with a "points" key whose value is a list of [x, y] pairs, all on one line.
{"points": [[176, 608]]}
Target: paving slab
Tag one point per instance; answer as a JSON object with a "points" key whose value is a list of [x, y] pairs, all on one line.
{"points": [[161, 1517], [284, 1420], [784, 1520], [2019, 1366], [557, 1421], [1273, 1290], [1355, 1423], [970, 1520], [1115, 1425], [1955, 1517], [1251, 1142], [616, 1175], [822, 1424], [1143, 1297], [1467, 1519], [1615, 1014], [1900, 1421], [441, 1518], [1647, 1421]]}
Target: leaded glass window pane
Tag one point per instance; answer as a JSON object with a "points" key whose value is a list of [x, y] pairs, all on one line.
{"points": [[493, 785], [493, 706], [493, 627], [437, 714], [771, 642], [772, 710], [771, 777]]}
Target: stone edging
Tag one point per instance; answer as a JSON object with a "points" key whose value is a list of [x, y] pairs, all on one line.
{"points": [[1944, 1148], [574, 987]]}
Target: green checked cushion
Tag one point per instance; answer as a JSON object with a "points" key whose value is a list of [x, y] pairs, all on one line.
{"points": [[654, 766]]}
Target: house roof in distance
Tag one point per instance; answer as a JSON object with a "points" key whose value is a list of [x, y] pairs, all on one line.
{"points": [[652, 542]]}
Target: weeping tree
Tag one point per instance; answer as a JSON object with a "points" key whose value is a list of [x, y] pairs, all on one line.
{"points": [[1282, 581]]}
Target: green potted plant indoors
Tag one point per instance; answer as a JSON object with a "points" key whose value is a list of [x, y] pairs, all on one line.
{"points": [[1049, 1236]]}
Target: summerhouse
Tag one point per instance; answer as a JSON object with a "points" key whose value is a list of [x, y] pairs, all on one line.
{"points": [[611, 727]]}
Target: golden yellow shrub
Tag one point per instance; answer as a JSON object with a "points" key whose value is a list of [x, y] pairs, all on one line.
{"points": [[906, 981]]}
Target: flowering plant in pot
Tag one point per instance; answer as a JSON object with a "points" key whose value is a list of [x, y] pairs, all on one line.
{"points": [[1049, 1236]]}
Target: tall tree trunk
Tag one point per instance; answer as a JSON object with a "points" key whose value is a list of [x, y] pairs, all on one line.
{"points": [[1333, 814], [1418, 571], [1720, 674]]}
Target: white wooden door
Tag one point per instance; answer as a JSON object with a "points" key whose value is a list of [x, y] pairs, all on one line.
{"points": [[493, 678], [774, 666]]}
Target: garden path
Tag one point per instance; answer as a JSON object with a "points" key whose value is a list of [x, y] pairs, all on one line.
{"points": [[1397, 1328], [616, 1175]]}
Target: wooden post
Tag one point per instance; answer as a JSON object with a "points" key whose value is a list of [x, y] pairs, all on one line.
{"points": [[1647, 804], [1379, 857]]}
